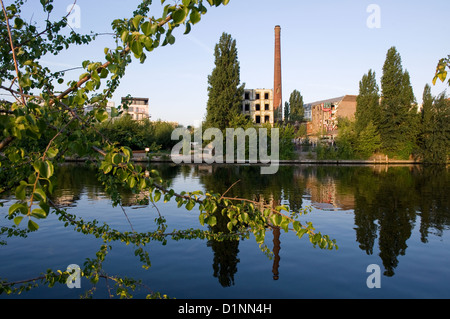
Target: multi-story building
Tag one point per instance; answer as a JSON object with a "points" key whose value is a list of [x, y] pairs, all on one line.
{"points": [[323, 115], [138, 107], [109, 106], [258, 105]]}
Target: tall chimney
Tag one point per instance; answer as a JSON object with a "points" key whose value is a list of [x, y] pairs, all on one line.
{"points": [[277, 91]]}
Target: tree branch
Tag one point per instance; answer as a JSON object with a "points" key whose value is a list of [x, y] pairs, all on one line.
{"points": [[12, 48]]}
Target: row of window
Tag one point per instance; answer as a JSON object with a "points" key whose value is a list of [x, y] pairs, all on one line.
{"points": [[257, 107], [258, 96], [136, 109], [258, 119]]}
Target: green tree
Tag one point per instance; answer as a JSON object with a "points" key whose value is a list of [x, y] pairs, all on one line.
{"points": [[297, 111], [425, 117], [398, 108], [435, 133], [287, 112], [225, 92], [368, 102], [368, 141]]}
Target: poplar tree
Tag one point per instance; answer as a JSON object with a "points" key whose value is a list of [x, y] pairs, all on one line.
{"points": [[296, 106], [367, 102], [225, 93], [397, 116], [434, 139], [425, 118], [287, 112]]}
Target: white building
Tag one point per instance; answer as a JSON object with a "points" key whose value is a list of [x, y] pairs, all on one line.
{"points": [[138, 109], [109, 105], [258, 105]]}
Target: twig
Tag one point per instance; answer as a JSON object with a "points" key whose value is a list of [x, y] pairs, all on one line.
{"points": [[123, 209], [12, 47], [229, 189]]}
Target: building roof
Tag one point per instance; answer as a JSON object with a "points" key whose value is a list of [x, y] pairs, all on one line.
{"points": [[145, 99], [348, 98]]}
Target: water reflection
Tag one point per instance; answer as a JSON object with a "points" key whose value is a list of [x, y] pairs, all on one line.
{"points": [[387, 203]]}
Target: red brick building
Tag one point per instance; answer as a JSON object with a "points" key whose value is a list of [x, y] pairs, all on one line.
{"points": [[324, 115]]}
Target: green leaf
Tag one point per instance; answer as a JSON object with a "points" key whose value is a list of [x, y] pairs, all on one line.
{"points": [[195, 16], [285, 225], [179, 16], [146, 28], [20, 190], [38, 213], [18, 219], [190, 205], [136, 21], [18, 206], [45, 169], [32, 225], [157, 196], [107, 169], [201, 219], [137, 48], [101, 115], [127, 151], [276, 219], [297, 225], [116, 158], [124, 36], [131, 182], [280, 208], [188, 28], [18, 23], [301, 232], [52, 152], [40, 194], [212, 221]]}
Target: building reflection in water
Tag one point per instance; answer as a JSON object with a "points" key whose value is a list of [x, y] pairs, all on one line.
{"points": [[276, 252], [387, 202]]}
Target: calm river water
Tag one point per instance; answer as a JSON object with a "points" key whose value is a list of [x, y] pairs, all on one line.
{"points": [[397, 218]]}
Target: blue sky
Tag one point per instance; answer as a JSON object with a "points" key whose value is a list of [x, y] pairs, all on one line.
{"points": [[326, 48]]}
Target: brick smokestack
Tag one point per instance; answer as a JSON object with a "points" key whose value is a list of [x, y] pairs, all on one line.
{"points": [[277, 89]]}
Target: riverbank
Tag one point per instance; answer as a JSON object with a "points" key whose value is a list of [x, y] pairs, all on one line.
{"points": [[303, 158], [143, 158]]}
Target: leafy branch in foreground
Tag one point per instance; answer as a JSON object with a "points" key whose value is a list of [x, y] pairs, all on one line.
{"points": [[441, 70], [45, 123]]}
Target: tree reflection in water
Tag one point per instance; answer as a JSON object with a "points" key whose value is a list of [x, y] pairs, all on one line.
{"points": [[387, 201]]}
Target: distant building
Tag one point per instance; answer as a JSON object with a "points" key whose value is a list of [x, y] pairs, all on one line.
{"points": [[323, 115], [258, 105], [138, 109], [109, 105], [307, 112]]}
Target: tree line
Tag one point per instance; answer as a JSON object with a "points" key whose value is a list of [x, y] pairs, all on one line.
{"points": [[389, 121]]}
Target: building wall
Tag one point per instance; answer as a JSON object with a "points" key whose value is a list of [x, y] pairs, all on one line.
{"points": [[325, 115], [347, 107], [258, 105], [138, 109]]}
